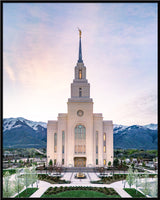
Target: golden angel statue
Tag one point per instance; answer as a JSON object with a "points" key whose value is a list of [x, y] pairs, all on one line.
{"points": [[80, 32]]}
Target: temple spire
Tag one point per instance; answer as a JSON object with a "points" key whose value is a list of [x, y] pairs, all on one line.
{"points": [[80, 49]]}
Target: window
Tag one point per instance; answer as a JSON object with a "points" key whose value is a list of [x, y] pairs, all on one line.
{"points": [[104, 161], [96, 142], [96, 161], [55, 142], [80, 139], [80, 92], [80, 74], [54, 161], [63, 141], [104, 142], [63, 161]]}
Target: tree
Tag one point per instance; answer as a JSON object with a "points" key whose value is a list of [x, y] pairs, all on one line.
{"points": [[18, 183], [109, 163], [136, 176], [154, 188], [41, 157], [133, 166], [130, 177], [27, 177], [145, 185], [34, 176], [6, 185], [116, 162], [143, 164], [50, 166], [50, 162]]}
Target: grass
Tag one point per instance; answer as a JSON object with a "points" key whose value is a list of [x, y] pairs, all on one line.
{"points": [[27, 193], [80, 194], [80, 191], [11, 171], [132, 192]]}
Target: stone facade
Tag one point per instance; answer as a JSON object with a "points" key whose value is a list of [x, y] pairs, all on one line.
{"points": [[80, 137]]}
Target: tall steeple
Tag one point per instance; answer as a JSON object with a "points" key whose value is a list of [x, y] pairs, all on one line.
{"points": [[80, 88], [80, 48]]}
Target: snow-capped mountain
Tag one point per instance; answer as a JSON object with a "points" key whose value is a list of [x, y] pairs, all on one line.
{"points": [[151, 126], [21, 133], [117, 128], [10, 123]]}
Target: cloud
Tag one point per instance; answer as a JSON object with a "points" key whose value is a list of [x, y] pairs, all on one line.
{"points": [[41, 47], [10, 73]]}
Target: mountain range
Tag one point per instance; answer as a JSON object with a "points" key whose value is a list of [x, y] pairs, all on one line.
{"points": [[23, 133]]}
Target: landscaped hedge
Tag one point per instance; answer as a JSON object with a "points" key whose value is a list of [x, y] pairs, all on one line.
{"points": [[55, 190], [111, 179], [117, 177], [51, 179], [11, 171]]}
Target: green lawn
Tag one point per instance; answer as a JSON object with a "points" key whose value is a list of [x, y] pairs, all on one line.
{"points": [[27, 193], [11, 171], [80, 194], [132, 192]]}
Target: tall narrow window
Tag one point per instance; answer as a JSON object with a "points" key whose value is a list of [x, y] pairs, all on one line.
{"points": [[80, 139], [80, 74], [80, 92], [55, 142], [104, 162], [63, 141], [96, 161], [55, 161], [104, 142], [96, 142]]}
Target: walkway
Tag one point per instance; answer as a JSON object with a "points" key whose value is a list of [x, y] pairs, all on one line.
{"points": [[118, 186]]}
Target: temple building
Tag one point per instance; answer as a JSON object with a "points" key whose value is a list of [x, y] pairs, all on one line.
{"points": [[80, 138]]}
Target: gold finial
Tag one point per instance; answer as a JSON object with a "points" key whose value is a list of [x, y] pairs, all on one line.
{"points": [[80, 32]]}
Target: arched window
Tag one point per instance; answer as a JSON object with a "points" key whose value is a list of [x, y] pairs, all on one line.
{"points": [[80, 139], [104, 142], [80, 92], [80, 74], [55, 142]]}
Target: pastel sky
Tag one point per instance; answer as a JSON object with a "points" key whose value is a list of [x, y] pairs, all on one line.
{"points": [[119, 50]]}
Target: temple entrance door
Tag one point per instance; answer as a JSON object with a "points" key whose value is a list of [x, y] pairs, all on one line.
{"points": [[80, 162]]}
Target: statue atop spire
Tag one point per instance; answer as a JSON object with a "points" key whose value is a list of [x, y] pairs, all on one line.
{"points": [[80, 49], [80, 32]]}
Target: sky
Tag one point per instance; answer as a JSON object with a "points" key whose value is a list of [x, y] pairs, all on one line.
{"points": [[119, 50]]}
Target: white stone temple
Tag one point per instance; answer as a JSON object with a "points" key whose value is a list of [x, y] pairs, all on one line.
{"points": [[80, 138]]}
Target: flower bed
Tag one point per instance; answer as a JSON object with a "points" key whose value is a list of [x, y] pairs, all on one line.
{"points": [[51, 179], [111, 179]]}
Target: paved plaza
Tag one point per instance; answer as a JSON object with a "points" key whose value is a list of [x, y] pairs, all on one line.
{"points": [[90, 176], [118, 186]]}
